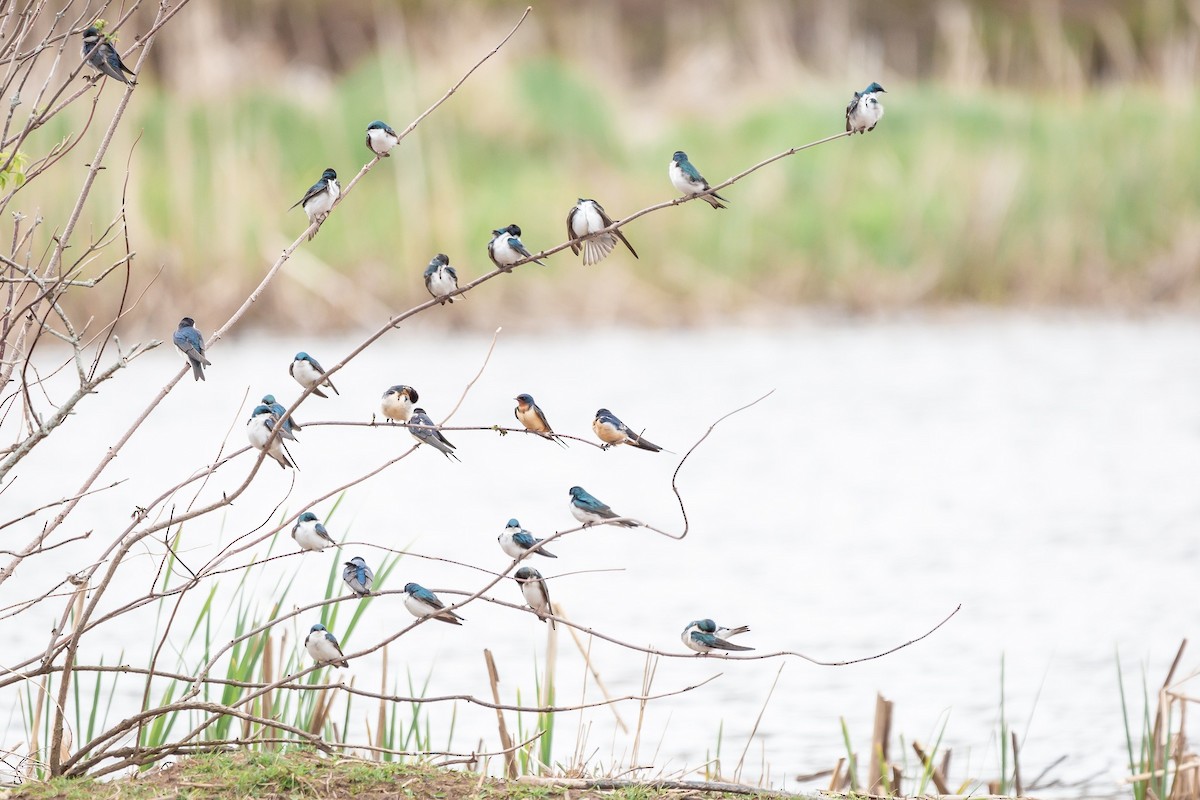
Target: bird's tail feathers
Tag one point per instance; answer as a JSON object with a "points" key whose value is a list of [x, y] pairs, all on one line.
{"points": [[597, 248], [714, 200]]}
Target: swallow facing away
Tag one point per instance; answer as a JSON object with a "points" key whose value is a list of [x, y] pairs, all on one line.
{"points": [[381, 138], [290, 425], [398, 402], [613, 432], [308, 373], [441, 279], [533, 589], [103, 58], [704, 636], [515, 541], [426, 433], [310, 534], [589, 510], [358, 576], [258, 431], [421, 602], [191, 344], [583, 220], [324, 648], [529, 414], [319, 199], [505, 248], [865, 110], [688, 180]]}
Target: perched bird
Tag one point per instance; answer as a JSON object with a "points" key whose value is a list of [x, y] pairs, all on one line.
{"points": [[421, 602], [358, 576], [290, 425], [516, 541], [398, 402], [258, 431], [688, 180], [865, 110], [103, 58], [505, 248], [308, 372], [534, 590], [381, 138], [191, 344], [262, 409], [319, 199], [426, 433], [704, 636], [323, 647], [614, 432], [589, 510], [583, 220], [529, 414], [441, 279], [310, 534]]}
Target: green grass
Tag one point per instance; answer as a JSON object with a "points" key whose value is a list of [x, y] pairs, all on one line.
{"points": [[992, 196]]}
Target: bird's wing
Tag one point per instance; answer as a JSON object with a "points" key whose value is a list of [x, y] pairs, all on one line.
{"points": [[571, 230]]}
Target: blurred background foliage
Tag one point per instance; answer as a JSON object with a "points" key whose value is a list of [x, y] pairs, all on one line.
{"points": [[1034, 152]]}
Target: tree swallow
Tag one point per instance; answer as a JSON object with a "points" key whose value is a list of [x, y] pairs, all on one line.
{"points": [[704, 636], [688, 180], [103, 58], [516, 541], [614, 432], [290, 425], [505, 248], [323, 647], [865, 110], [589, 510], [530, 415], [263, 409], [441, 279], [308, 373], [421, 602], [319, 199], [427, 434], [358, 576], [191, 344], [310, 534], [583, 220], [533, 588], [258, 431], [381, 138], [398, 402]]}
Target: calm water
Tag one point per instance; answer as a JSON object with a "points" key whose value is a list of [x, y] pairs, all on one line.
{"points": [[1041, 472]]}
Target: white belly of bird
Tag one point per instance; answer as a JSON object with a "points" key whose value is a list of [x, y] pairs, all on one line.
{"points": [[535, 597], [503, 253], [259, 430], [510, 548], [307, 537], [417, 607], [866, 114], [381, 140], [320, 648], [320, 205], [397, 407], [441, 284], [584, 516], [586, 220], [682, 182], [686, 638], [305, 373]]}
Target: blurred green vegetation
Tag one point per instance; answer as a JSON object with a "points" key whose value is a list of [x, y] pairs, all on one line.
{"points": [[991, 196]]}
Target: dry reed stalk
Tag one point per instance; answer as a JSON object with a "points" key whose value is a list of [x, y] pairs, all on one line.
{"points": [[879, 743], [939, 777], [647, 681], [835, 782], [1016, 767], [381, 725], [269, 677], [320, 710], [737, 773], [587, 659], [1160, 757], [506, 744]]}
